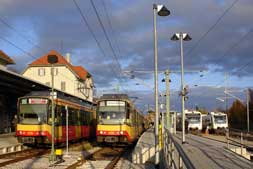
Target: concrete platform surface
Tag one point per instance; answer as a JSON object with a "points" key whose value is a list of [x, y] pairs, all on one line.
{"points": [[144, 151], [210, 154], [8, 139]]}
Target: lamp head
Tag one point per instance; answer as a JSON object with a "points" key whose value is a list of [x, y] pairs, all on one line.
{"points": [[184, 36], [175, 37], [187, 38], [162, 10]]}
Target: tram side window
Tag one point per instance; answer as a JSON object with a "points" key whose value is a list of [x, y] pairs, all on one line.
{"points": [[87, 118], [72, 117], [127, 113], [82, 117], [134, 117], [91, 117], [78, 117], [57, 115], [62, 115]]}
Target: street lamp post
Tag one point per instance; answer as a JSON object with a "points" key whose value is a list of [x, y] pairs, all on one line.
{"points": [[182, 36], [161, 11], [247, 100], [167, 80], [168, 120], [52, 59]]}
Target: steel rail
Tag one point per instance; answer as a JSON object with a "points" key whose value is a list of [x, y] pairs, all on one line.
{"points": [[22, 155]]}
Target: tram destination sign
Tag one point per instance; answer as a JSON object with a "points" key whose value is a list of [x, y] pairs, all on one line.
{"points": [[37, 101], [115, 103]]}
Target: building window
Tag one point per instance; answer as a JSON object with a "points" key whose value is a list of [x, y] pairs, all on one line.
{"points": [[48, 83], [41, 71], [63, 86], [80, 87], [55, 70]]}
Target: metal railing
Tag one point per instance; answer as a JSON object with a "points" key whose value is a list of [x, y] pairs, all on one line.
{"points": [[237, 133], [173, 153], [237, 143]]}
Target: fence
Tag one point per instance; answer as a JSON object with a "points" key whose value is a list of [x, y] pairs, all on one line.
{"points": [[237, 143], [173, 154]]}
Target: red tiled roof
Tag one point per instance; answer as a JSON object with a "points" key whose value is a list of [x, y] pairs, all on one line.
{"points": [[6, 58], [79, 70], [82, 73]]}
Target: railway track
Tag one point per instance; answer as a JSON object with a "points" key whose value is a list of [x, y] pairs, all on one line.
{"points": [[39, 157], [106, 157], [14, 157]]}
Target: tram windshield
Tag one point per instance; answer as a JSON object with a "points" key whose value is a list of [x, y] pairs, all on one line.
{"points": [[193, 119], [111, 115], [33, 111], [220, 119]]}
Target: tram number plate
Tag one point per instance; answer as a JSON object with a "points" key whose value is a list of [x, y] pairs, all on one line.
{"points": [[111, 139], [28, 139]]}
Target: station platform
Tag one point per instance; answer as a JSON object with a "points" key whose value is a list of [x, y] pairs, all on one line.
{"points": [[144, 151], [208, 153], [8, 139]]}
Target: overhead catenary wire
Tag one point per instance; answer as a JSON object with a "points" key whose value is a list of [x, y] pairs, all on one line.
{"points": [[232, 47], [22, 49], [111, 27], [113, 32], [189, 52], [211, 28], [29, 54], [21, 35], [236, 44], [19, 48], [245, 65], [92, 33], [106, 35], [109, 42]]}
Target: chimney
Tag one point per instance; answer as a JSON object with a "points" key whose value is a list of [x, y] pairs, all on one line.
{"points": [[68, 57]]}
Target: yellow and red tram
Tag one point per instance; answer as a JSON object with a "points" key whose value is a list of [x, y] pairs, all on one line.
{"points": [[35, 120], [118, 121]]}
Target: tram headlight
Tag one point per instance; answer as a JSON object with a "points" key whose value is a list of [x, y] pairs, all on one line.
{"points": [[101, 132], [121, 132]]}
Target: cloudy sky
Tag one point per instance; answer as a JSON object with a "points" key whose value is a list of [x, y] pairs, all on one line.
{"points": [[108, 37]]}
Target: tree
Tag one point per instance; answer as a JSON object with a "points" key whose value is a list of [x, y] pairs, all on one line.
{"points": [[251, 109], [203, 110], [237, 115]]}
